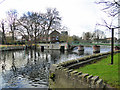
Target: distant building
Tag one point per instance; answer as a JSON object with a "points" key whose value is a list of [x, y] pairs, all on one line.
{"points": [[106, 40], [64, 32], [8, 34], [109, 39], [17, 36]]}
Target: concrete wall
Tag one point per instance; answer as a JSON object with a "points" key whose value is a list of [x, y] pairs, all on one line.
{"points": [[55, 46]]}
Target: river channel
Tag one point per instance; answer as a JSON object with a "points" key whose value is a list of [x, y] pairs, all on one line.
{"points": [[30, 68]]}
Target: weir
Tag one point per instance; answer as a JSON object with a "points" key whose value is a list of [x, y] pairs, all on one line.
{"points": [[54, 46]]}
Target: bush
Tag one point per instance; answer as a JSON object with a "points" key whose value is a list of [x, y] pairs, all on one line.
{"points": [[52, 76]]}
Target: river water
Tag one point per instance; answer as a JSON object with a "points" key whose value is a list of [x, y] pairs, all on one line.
{"points": [[30, 68]]}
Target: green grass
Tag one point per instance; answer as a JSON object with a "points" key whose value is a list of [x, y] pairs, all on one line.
{"points": [[105, 71]]}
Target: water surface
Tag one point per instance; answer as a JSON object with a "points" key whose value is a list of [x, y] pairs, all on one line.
{"points": [[30, 68]]}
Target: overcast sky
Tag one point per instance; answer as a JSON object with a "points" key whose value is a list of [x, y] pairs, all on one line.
{"points": [[78, 15]]}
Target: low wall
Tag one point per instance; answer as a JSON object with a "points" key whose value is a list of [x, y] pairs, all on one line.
{"points": [[63, 75], [68, 78], [56, 46], [8, 48], [76, 63]]}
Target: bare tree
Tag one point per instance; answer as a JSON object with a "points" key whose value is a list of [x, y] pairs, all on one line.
{"points": [[52, 22], [30, 26], [110, 7], [12, 17], [2, 1], [23, 27], [35, 25]]}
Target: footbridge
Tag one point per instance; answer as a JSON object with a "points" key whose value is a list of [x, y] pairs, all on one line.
{"points": [[71, 46]]}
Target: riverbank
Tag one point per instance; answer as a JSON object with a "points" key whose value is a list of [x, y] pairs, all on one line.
{"points": [[12, 47], [103, 69], [66, 74], [15, 47]]}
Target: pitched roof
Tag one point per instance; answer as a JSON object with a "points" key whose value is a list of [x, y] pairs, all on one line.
{"points": [[54, 32]]}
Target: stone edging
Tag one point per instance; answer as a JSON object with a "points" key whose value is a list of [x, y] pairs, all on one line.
{"points": [[86, 80], [76, 63]]}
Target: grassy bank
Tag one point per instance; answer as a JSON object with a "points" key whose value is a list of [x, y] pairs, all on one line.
{"points": [[105, 71]]}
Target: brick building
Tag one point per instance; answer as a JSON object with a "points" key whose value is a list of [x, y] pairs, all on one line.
{"points": [[54, 36]]}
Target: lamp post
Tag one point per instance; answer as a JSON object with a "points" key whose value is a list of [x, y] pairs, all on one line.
{"points": [[112, 45]]}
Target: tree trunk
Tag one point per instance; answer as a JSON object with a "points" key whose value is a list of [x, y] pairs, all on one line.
{"points": [[3, 34], [35, 36], [12, 30], [47, 32]]}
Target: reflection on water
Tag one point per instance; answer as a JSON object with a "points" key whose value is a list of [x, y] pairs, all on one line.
{"points": [[30, 68], [20, 69]]}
